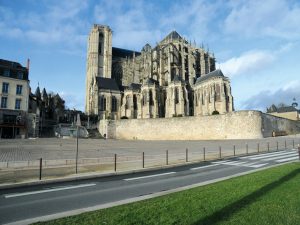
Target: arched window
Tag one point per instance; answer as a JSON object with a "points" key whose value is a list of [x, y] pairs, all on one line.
{"points": [[176, 96], [134, 102], [114, 104], [218, 92], [102, 103], [151, 102]]}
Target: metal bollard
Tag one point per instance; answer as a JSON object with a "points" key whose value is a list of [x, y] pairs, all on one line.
{"points": [[257, 147], [115, 162], [233, 150], [167, 157], [246, 148], [41, 165], [277, 146], [204, 154], [143, 159], [299, 151], [268, 146], [220, 152], [186, 155], [284, 144]]}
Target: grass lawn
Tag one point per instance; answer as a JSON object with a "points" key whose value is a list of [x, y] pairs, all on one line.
{"points": [[267, 197]]}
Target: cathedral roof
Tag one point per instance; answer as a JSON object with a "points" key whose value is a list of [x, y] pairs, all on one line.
{"points": [[173, 35], [107, 84], [123, 53], [215, 73]]}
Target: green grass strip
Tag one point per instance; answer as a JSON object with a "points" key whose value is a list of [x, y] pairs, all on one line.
{"points": [[270, 196]]}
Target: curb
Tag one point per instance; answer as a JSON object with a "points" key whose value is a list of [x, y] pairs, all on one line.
{"points": [[87, 176], [136, 199]]}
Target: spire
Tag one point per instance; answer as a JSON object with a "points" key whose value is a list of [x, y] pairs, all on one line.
{"points": [[38, 92]]}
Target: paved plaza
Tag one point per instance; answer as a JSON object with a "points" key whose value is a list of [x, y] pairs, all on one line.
{"points": [[54, 148]]}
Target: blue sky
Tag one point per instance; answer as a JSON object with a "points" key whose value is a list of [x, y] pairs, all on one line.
{"points": [[256, 43]]}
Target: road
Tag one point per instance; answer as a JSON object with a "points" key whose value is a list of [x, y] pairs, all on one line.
{"points": [[19, 204]]}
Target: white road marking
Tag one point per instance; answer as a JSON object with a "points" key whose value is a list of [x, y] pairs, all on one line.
{"points": [[258, 165], [48, 190], [267, 155], [201, 167], [155, 175], [288, 159], [245, 164], [280, 157]]}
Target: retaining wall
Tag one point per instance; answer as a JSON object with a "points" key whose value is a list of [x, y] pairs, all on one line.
{"points": [[234, 125]]}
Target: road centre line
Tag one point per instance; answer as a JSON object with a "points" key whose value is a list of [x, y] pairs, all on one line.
{"points": [[48, 190], [143, 177], [201, 167]]}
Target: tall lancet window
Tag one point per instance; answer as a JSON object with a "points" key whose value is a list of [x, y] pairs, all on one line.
{"points": [[102, 103], [114, 104], [176, 96]]}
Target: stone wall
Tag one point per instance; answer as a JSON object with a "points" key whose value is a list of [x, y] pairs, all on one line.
{"points": [[234, 125], [273, 123]]}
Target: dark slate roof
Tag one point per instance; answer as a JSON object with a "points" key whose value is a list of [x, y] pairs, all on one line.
{"points": [[134, 86], [13, 68], [146, 48], [215, 73], [123, 53], [286, 109], [173, 35], [107, 84]]}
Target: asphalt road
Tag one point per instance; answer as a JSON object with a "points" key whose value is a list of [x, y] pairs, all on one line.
{"points": [[18, 204]]}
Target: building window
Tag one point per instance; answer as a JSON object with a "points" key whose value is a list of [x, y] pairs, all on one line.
{"points": [[20, 75], [5, 87], [218, 92], [18, 104], [135, 107], [4, 102], [176, 96], [19, 89], [114, 104], [151, 102], [6, 73], [102, 103]]}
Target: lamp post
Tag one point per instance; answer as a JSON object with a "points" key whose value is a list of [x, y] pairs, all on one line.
{"points": [[77, 148], [78, 123]]}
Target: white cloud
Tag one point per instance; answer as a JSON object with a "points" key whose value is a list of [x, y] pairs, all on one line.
{"points": [[270, 18], [266, 98], [57, 24], [247, 62]]}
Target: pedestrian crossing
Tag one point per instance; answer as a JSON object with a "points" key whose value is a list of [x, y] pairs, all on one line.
{"points": [[257, 161]]}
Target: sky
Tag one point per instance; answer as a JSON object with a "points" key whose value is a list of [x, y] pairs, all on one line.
{"points": [[256, 43]]}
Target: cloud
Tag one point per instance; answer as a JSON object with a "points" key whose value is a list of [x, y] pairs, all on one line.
{"points": [[73, 100], [252, 61], [271, 18], [50, 24], [247, 62], [266, 98]]}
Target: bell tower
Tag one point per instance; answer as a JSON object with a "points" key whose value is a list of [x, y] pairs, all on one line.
{"points": [[99, 57]]}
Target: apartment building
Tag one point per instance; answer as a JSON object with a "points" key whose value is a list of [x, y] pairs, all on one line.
{"points": [[14, 99]]}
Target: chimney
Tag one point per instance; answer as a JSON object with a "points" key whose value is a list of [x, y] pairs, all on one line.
{"points": [[28, 64]]}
